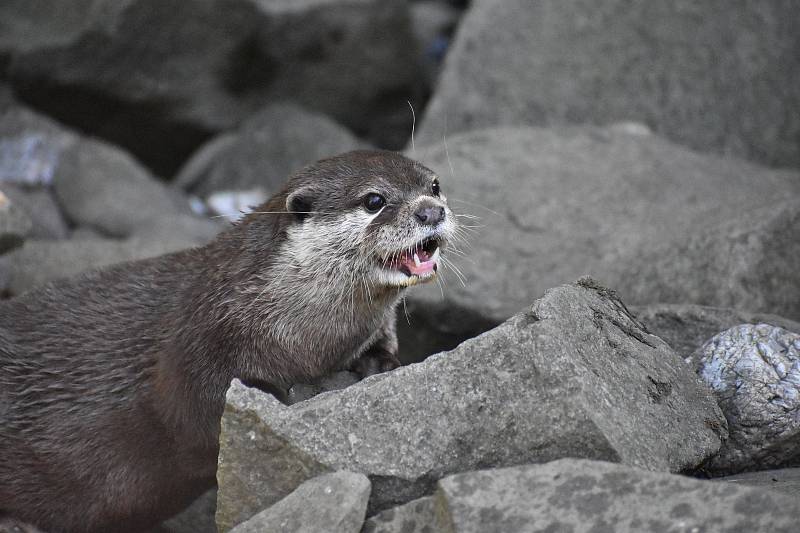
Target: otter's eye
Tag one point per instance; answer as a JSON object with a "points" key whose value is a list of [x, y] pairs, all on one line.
{"points": [[435, 187], [373, 202]]}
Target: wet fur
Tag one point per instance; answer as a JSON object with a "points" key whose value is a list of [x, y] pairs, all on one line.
{"points": [[112, 383]]}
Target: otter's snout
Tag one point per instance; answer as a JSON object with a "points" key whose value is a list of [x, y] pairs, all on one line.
{"points": [[429, 214]]}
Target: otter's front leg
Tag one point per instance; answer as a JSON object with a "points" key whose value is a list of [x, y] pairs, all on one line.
{"points": [[381, 353]]}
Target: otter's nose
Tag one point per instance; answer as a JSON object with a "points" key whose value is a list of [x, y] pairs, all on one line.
{"points": [[430, 215]]}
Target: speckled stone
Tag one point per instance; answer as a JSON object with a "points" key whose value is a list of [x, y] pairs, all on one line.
{"points": [[754, 371], [580, 496]]}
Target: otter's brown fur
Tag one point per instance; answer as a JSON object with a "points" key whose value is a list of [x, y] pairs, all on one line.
{"points": [[112, 383]]}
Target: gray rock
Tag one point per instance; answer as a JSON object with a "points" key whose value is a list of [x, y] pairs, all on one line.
{"points": [[300, 392], [573, 376], [591, 496], [748, 262], [785, 480], [15, 225], [754, 371], [416, 516], [331, 503], [269, 146], [687, 327], [103, 187], [38, 262], [30, 146], [183, 70], [714, 76], [38, 203], [555, 204]]}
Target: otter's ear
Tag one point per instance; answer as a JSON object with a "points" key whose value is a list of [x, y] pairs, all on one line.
{"points": [[301, 203]]}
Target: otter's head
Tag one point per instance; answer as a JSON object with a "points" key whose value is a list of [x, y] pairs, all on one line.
{"points": [[373, 219]]}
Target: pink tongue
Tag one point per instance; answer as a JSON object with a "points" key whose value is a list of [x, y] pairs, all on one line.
{"points": [[425, 267]]}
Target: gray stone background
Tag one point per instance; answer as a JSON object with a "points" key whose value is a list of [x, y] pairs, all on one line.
{"points": [[652, 145]]}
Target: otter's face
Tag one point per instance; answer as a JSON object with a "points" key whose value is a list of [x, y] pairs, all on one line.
{"points": [[372, 218]]}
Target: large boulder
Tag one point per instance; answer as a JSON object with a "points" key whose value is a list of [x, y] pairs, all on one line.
{"points": [[784, 480], [748, 262], [572, 376], [589, 496], [159, 77], [268, 146], [555, 204], [687, 327], [331, 503], [714, 76]]}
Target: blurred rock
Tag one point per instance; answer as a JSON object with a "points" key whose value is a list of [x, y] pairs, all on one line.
{"points": [[785, 480], [15, 225], [714, 76], [754, 371], [433, 23], [273, 143], [197, 518], [573, 376], [332, 503], [160, 77], [416, 516], [555, 204], [748, 262], [582, 496], [38, 262], [38, 203], [687, 327]]}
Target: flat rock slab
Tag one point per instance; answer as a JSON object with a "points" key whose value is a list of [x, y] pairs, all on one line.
{"points": [[590, 496], [573, 376], [559, 203], [332, 503], [754, 371], [784, 480], [708, 75], [687, 327]]}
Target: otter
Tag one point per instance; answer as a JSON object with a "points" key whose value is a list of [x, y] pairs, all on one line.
{"points": [[112, 383]]}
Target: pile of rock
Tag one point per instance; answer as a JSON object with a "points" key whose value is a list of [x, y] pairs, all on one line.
{"points": [[653, 147]]}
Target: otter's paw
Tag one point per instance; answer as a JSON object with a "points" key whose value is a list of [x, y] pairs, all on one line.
{"points": [[374, 362]]}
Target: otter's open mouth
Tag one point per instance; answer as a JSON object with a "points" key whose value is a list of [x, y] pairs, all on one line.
{"points": [[420, 260]]}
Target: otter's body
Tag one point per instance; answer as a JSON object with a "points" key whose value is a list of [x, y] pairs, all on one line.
{"points": [[112, 384]]}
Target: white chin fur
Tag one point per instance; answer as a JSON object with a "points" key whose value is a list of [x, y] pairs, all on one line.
{"points": [[395, 278]]}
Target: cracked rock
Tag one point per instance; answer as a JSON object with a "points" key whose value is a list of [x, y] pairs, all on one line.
{"points": [[558, 203], [754, 371], [573, 375], [416, 516], [331, 503], [706, 75], [588, 496]]}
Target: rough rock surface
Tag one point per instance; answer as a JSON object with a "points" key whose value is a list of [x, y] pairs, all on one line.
{"points": [[749, 262], [331, 503], [182, 70], [267, 147], [687, 327], [714, 76], [197, 518], [416, 516], [574, 376], [754, 371], [786, 480], [15, 225], [590, 496], [38, 262], [555, 204]]}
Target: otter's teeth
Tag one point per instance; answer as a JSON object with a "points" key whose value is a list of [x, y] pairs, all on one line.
{"points": [[416, 259], [435, 256]]}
